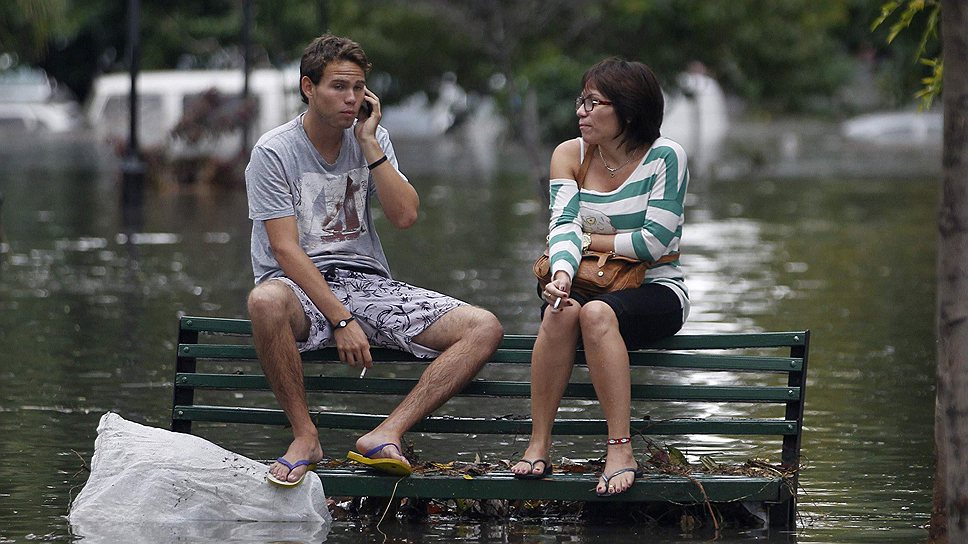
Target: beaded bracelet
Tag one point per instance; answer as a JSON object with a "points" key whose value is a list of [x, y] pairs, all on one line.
{"points": [[377, 162], [618, 441]]}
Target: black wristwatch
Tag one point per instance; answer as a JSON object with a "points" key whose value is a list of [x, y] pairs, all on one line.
{"points": [[343, 323]]}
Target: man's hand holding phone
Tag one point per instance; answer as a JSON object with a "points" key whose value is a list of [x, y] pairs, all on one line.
{"points": [[366, 110], [368, 116]]}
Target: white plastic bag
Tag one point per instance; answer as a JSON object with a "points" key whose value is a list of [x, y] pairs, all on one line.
{"points": [[145, 478]]}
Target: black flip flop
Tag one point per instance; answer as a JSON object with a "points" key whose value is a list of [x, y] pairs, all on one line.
{"points": [[535, 475], [636, 473]]}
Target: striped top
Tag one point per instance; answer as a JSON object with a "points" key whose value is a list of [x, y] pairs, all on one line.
{"points": [[645, 214]]}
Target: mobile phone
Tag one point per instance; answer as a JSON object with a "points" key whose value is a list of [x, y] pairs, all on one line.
{"points": [[366, 109]]}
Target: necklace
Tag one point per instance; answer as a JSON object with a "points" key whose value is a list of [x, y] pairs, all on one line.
{"points": [[611, 171]]}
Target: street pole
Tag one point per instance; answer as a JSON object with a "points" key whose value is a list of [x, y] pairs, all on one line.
{"points": [[246, 67], [132, 166]]}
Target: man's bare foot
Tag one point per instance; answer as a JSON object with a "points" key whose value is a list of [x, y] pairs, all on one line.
{"points": [[301, 449], [378, 446]]}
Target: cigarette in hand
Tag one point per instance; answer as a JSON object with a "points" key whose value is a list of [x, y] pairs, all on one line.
{"points": [[557, 303], [363, 373]]}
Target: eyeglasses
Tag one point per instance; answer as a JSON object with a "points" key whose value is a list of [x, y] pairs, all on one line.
{"points": [[590, 103]]}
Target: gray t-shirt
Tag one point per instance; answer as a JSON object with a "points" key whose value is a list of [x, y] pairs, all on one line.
{"points": [[287, 176]]}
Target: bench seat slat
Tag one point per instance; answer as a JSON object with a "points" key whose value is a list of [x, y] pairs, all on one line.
{"points": [[697, 341], [401, 386], [567, 487], [636, 358], [445, 424]]}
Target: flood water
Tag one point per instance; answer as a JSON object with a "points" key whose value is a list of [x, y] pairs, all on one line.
{"points": [[88, 316]]}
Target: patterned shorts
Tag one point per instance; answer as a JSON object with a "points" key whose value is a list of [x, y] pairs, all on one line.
{"points": [[390, 312]]}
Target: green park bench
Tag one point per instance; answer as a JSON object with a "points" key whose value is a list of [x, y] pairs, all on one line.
{"points": [[691, 388]]}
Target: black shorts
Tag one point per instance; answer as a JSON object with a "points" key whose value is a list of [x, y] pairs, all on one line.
{"points": [[645, 313]]}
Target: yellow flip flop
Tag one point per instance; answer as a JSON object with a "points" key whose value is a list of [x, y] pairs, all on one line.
{"points": [[393, 467], [291, 466]]}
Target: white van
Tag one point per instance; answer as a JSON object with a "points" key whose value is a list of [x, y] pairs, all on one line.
{"points": [[163, 96]]}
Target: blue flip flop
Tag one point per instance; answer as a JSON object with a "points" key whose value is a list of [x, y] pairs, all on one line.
{"points": [[393, 467], [291, 466]]}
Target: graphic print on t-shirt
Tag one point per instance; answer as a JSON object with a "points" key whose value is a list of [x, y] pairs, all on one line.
{"points": [[331, 206]]}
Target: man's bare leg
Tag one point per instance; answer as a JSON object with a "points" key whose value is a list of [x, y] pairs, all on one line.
{"points": [[277, 321], [467, 337]]}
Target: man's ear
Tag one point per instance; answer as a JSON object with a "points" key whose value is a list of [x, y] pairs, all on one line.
{"points": [[307, 86]]}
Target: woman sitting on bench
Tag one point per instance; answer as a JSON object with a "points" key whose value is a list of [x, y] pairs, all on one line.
{"points": [[629, 201]]}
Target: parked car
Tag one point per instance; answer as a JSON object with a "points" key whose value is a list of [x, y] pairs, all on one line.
{"points": [[30, 101], [164, 98]]}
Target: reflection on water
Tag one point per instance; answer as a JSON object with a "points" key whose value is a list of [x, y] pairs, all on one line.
{"points": [[202, 532], [88, 318]]}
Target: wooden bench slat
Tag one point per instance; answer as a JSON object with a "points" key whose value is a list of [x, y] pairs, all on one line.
{"points": [[526, 342], [567, 487], [696, 341], [215, 324], [469, 425], [402, 386], [696, 361]]}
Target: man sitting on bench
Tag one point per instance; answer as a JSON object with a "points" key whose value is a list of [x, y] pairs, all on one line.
{"points": [[321, 275]]}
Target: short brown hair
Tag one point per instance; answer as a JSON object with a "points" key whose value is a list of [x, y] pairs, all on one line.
{"points": [[324, 50], [636, 96]]}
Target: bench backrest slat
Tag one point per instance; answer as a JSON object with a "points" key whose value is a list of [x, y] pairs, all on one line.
{"points": [[481, 388], [436, 424], [697, 361]]}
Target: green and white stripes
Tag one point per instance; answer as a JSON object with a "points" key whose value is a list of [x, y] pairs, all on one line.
{"points": [[645, 213]]}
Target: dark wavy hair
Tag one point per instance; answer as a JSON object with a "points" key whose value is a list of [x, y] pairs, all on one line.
{"points": [[324, 50], [635, 94]]}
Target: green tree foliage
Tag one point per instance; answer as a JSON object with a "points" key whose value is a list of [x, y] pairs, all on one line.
{"points": [[27, 25], [777, 56], [924, 17]]}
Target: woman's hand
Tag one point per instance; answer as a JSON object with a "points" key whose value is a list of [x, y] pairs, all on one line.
{"points": [[556, 292]]}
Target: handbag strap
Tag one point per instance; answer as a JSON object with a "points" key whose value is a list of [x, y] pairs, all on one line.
{"points": [[586, 163], [664, 259]]}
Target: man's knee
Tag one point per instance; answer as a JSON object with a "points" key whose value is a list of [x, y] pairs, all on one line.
{"points": [[269, 300], [488, 327], [468, 323]]}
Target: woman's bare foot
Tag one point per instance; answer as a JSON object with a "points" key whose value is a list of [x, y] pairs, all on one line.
{"points": [[614, 480], [533, 462]]}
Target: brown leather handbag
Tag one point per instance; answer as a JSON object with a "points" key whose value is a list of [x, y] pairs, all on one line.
{"points": [[600, 272]]}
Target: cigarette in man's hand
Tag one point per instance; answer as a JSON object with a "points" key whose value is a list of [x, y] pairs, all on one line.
{"points": [[363, 373], [557, 303]]}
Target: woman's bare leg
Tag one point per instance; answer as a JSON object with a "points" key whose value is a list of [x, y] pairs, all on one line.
{"points": [[608, 367], [551, 364]]}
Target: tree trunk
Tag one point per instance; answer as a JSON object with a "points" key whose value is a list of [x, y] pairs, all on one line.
{"points": [[951, 433]]}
